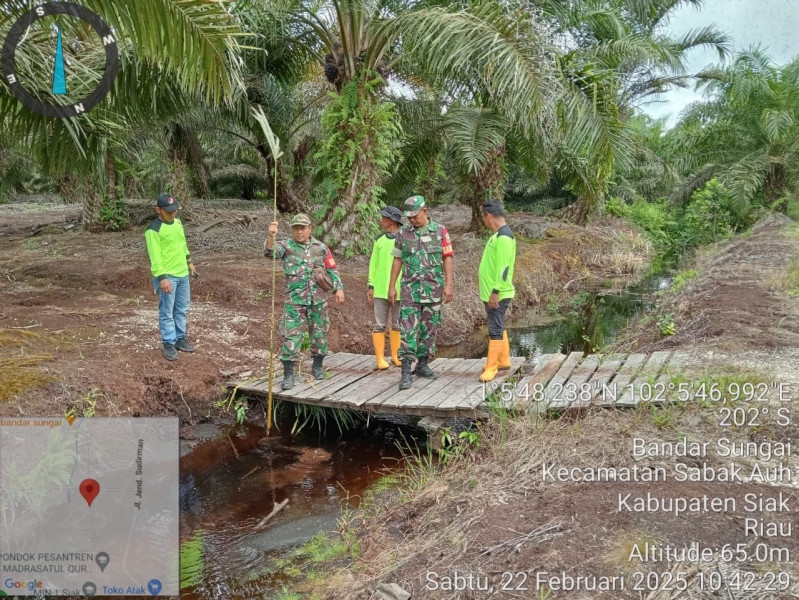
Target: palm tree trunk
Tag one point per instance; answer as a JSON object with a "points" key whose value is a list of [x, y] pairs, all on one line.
{"points": [[69, 188], [92, 201], [342, 221], [364, 155], [196, 161], [579, 211], [177, 180]]}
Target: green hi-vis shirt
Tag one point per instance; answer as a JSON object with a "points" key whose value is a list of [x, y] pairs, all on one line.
{"points": [[166, 246], [496, 266], [380, 266]]}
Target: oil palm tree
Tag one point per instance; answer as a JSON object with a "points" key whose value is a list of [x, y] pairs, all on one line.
{"points": [[746, 133], [615, 55], [361, 43]]}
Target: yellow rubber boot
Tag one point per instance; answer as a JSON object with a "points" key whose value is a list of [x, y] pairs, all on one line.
{"points": [[379, 341], [395, 340], [504, 357], [494, 349]]}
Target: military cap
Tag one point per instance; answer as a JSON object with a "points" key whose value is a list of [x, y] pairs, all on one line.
{"points": [[300, 219], [413, 205]]}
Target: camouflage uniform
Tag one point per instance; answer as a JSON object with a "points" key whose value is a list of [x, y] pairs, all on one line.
{"points": [[422, 252], [306, 302]]}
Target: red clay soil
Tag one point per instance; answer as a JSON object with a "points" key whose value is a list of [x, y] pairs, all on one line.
{"points": [[78, 317]]}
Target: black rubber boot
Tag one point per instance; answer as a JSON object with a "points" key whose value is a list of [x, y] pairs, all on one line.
{"points": [[422, 370], [318, 371], [169, 352], [288, 375], [406, 380], [184, 346]]}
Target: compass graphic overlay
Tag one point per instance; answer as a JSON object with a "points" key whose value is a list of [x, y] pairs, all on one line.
{"points": [[16, 34]]}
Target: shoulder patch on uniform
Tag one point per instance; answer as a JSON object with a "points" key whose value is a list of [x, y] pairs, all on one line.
{"points": [[506, 231], [155, 225]]}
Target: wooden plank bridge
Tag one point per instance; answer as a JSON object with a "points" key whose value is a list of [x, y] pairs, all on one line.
{"points": [[554, 382], [354, 383]]}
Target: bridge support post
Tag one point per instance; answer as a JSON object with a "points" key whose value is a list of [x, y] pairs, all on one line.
{"points": [[432, 425]]}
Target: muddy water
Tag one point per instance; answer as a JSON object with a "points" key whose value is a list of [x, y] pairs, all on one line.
{"points": [[230, 482]]}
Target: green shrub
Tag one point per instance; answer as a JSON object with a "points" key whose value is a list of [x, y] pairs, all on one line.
{"points": [[681, 278], [709, 217]]}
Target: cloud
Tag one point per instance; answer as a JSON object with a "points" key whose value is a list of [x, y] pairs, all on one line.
{"points": [[772, 24]]}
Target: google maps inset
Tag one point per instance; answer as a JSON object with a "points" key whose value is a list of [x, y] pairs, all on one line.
{"points": [[89, 507]]}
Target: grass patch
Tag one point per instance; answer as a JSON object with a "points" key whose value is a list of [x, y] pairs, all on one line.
{"points": [[321, 549], [710, 387], [20, 360], [318, 417], [790, 282]]}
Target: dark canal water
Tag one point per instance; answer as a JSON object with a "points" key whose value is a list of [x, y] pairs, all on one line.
{"points": [[230, 481]]}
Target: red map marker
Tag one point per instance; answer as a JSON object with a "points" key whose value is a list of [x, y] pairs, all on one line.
{"points": [[89, 489]]}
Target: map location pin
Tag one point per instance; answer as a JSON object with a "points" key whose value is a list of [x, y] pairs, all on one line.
{"points": [[89, 589], [154, 586], [89, 489], [102, 559]]}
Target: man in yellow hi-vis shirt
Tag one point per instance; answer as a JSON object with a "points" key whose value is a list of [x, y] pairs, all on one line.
{"points": [[496, 286], [379, 275]]}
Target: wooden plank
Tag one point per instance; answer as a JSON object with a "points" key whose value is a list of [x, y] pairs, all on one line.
{"points": [[467, 383], [472, 392], [477, 398], [578, 386], [604, 373], [554, 394], [377, 401], [446, 370], [447, 376], [616, 386], [523, 393], [305, 383], [344, 377], [632, 396], [366, 388], [431, 423], [675, 365]]}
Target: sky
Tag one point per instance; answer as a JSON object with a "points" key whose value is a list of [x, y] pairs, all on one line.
{"points": [[774, 24]]}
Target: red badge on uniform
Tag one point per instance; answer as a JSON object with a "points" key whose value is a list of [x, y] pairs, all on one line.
{"points": [[330, 262], [446, 244]]}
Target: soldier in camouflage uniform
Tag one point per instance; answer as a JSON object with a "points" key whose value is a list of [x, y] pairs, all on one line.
{"points": [[306, 301], [423, 251]]}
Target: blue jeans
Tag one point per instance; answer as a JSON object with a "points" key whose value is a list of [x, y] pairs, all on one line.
{"points": [[173, 308]]}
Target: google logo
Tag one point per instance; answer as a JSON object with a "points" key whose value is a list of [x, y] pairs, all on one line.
{"points": [[24, 585]]}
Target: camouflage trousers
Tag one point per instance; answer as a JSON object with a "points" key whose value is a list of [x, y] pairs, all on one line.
{"points": [[292, 325], [419, 324]]}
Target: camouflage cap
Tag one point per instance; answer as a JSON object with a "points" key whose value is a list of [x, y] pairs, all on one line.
{"points": [[300, 220], [413, 205]]}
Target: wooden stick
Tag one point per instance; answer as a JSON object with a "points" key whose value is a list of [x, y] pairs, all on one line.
{"points": [[278, 507]]}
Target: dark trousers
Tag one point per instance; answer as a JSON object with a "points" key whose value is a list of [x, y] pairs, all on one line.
{"points": [[496, 319]]}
